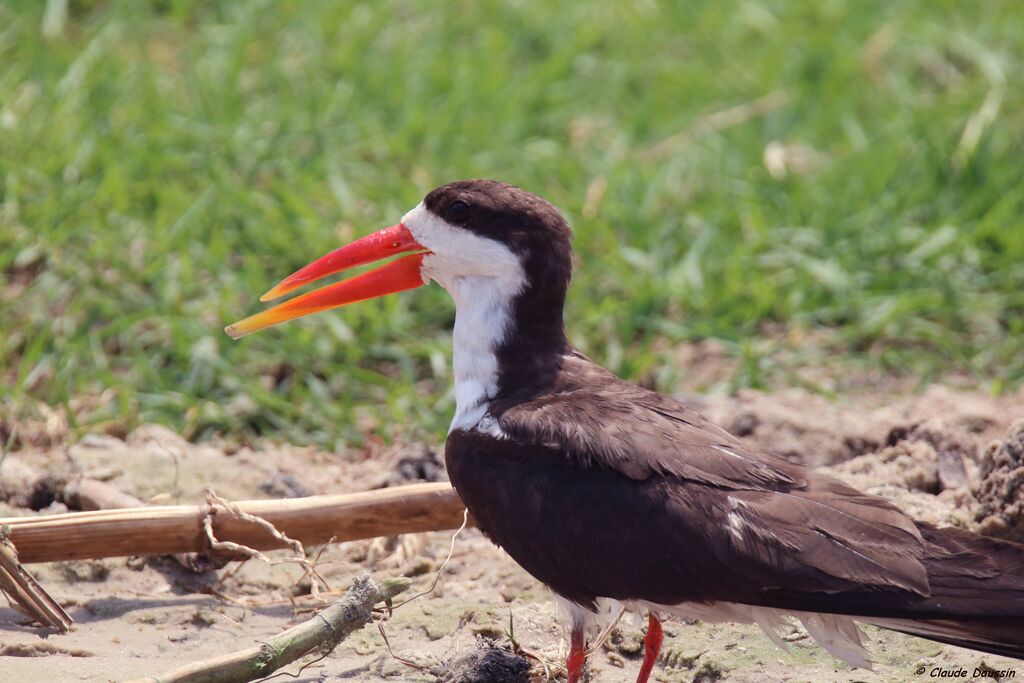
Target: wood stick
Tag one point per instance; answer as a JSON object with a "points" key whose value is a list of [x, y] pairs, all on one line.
{"points": [[320, 634], [169, 529], [29, 597]]}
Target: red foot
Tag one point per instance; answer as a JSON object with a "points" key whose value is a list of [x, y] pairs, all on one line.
{"points": [[577, 656], [652, 646]]}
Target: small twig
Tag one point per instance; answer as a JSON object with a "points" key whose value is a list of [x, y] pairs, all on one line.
{"points": [[319, 634], [603, 636], [440, 570], [230, 572], [25, 593]]}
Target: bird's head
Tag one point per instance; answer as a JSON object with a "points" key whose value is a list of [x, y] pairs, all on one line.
{"points": [[475, 238]]}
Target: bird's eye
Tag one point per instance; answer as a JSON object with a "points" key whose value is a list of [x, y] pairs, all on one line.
{"points": [[458, 212]]}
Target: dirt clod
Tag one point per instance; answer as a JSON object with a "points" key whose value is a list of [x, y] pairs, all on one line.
{"points": [[285, 485], [78, 571], [625, 642], [40, 649], [709, 672], [912, 465], [1000, 493], [416, 463], [486, 663], [953, 448]]}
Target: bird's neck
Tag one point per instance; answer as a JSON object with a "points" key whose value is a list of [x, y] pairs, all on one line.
{"points": [[507, 345]]}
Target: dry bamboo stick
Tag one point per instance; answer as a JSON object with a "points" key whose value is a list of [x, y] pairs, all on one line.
{"points": [[321, 634], [165, 530], [29, 597]]}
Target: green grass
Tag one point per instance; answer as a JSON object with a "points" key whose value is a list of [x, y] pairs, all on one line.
{"points": [[164, 163]]}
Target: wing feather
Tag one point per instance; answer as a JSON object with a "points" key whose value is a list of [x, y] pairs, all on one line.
{"points": [[772, 514]]}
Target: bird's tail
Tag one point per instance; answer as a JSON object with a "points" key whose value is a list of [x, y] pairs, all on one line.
{"points": [[995, 635], [977, 594]]}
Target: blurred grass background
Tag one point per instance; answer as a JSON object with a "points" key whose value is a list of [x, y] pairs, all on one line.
{"points": [[825, 182]]}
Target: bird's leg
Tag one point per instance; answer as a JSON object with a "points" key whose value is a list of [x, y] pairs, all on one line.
{"points": [[652, 646], [577, 655]]}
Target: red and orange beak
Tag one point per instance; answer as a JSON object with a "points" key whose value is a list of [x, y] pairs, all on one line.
{"points": [[398, 275]]}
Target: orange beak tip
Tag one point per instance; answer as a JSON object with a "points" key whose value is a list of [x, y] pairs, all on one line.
{"points": [[277, 291]]}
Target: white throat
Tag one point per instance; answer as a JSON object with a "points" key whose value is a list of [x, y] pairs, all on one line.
{"points": [[483, 276], [482, 322]]}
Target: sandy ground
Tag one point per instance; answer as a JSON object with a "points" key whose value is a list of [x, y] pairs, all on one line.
{"points": [[137, 617]]}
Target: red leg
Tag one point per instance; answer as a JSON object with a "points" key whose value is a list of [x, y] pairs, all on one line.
{"points": [[577, 656], [652, 646]]}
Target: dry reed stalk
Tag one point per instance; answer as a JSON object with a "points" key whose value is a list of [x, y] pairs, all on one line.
{"points": [[165, 530]]}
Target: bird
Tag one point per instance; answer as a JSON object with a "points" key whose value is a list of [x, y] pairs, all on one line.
{"points": [[615, 496]]}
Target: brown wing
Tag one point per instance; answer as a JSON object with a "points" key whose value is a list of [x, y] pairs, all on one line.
{"points": [[590, 531], [768, 520]]}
